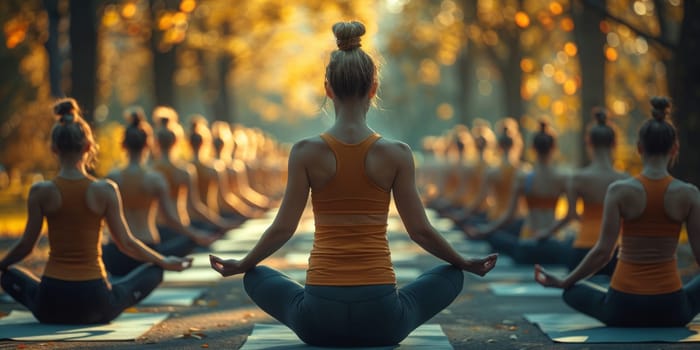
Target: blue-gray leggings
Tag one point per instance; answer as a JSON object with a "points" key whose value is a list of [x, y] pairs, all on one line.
{"points": [[618, 309], [373, 315], [79, 302], [547, 251]]}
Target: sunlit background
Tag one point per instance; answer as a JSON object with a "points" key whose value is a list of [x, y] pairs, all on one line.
{"points": [[260, 63]]}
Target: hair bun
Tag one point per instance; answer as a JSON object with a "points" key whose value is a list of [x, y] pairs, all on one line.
{"points": [[660, 106], [134, 116], [65, 106], [600, 115], [347, 35], [543, 126]]}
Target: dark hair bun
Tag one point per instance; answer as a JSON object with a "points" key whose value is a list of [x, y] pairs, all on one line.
{"points": [[347, 34], [543, 126], [135, 115], [600, 115], [65, 107], [660, 105]]}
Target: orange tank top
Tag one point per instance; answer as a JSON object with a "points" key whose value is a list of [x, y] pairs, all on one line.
{"points": [[474, 181], [75, 235], [501, 190], [651, 237], [591, 219], [350, 212], [134, 195], [168, 171]]}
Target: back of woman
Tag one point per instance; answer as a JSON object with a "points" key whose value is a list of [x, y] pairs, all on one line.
{"points": [[350, 297], [648, 211]]}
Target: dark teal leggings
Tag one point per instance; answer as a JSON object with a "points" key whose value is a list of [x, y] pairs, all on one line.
{"points": [[79, 302], [618, 309], [373, 315]]}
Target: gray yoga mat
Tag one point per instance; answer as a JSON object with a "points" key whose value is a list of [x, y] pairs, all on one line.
{"points": [[579, 328], [192, 275], [529, 289], [172, 297], [22, 326], [517, 273], [279, 337]]}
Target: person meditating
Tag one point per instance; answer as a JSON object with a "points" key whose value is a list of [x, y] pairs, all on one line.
{"points": [[646, 288], [350, 297], [74, 288]]}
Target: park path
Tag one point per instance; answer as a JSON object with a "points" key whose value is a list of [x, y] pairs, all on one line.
{"points": [[223, 316]]}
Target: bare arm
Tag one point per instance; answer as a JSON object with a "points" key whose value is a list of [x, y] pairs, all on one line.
{"points": [[693, 222], [166, 205], [419, 228], [195, 204], [35, 221], [603, 250], [286, 221]]}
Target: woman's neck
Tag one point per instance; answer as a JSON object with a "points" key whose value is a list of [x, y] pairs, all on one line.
{"points": [[602, 159], [72, 168], [351, 120], [655, 167]]}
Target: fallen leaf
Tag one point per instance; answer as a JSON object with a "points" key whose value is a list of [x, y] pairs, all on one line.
{"points": [[205, 345]]}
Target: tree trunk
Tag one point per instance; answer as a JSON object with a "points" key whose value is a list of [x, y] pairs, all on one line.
{"points": [[684, 86], [590, 42], [224, 61], [466, 61], [51, 45], [164, 57], [83, 40]]}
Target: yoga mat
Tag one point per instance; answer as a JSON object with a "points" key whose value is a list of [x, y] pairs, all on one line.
{"points": [[520, 273], [579, 328], [22, 326], [192, 275], [530, 289], [172, 296], [279, 337]]}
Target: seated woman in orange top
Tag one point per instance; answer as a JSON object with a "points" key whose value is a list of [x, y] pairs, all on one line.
{"points": [[350, 297], [74, 288], [646, 288], [541, 189], [143, 193], [212, 179], [181, 180], [495, 191], [234, 169], [590, 184]]}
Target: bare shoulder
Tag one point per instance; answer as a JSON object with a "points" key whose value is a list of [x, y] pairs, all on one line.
{"points": [[683, 189], [392, 147], [624, 187], [104, 186], [308, 149], [42, 189]]}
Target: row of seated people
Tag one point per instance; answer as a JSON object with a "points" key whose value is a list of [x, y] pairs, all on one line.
{"points": [[157, 212], [628, 232]]}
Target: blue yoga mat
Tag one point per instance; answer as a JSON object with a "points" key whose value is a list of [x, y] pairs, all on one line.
{"points": [[579, 328]]}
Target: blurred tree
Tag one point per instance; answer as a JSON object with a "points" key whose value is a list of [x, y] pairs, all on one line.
{"points": [[52, 47], [83, 41], [168, 25]]}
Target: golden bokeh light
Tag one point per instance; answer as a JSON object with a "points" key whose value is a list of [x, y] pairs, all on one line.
{"points": [[570, 87], [522, 20], [129, 10], [555, 8], [567, 24], [445, 111], [611, 54], [570, 49], [527, 65], [188, 6]]}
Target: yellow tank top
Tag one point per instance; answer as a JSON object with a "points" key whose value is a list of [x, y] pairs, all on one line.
{"points": [[75, 235], [350, 244]]}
